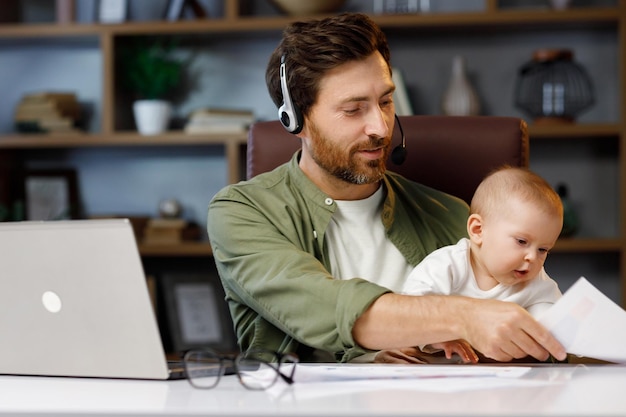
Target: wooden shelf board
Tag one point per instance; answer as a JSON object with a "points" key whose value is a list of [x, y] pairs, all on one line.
{"points": [[180, 249], [575, 17], [38, 30], [574, 130], [567, 245], [176, 138]]}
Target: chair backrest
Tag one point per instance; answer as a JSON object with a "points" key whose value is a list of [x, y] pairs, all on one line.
{"points": [[449, 153]]}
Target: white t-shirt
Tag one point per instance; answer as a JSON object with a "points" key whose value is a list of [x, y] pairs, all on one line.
{"points": [[358, 246], [448, 271]]}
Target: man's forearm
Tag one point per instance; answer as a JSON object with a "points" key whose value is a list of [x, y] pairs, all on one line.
{"points": [[395, 321]]}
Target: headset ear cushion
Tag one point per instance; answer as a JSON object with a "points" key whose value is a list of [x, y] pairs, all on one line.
{"points": [[290, 118]]}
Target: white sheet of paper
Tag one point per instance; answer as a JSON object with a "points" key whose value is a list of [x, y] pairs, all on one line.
{"points": [[349, 372], [588, 323]]}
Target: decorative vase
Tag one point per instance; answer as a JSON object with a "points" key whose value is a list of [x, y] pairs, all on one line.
{"points": [[152, 116], [553, 88], [460, 98]]}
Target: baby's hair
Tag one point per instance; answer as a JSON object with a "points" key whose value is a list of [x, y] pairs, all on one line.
{"points": [[506, 182]]}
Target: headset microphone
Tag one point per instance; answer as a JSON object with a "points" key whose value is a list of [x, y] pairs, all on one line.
{"points": [[288, 113], [398, 154]]}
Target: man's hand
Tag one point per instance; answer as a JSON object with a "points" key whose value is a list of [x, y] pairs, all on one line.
{"points": [[505, 331]]}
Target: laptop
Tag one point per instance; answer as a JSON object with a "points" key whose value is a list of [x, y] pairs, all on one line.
{"points": [[74, 302]]}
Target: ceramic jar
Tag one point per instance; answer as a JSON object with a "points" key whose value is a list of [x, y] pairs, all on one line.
{"points": [[460, 98]]}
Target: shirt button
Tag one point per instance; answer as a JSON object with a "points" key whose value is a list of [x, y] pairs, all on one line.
{"points": [[328, 201]]}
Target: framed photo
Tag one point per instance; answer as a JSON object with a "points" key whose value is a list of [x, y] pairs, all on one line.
{"points": [[197, 315], [112, 11], [51, 194]]}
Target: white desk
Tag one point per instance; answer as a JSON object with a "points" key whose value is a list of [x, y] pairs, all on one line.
{"points": [[561, 390]]}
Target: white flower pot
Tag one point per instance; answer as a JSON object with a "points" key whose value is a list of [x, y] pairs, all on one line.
{"points": [[152, 116]]}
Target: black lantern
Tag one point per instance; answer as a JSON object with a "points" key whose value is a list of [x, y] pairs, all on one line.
{"points": [[552, 87]]}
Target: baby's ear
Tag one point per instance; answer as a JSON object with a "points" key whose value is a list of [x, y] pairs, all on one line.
{"points": [[475, 228]]}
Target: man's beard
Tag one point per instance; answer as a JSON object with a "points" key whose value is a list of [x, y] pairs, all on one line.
{"points": [[348, 167]]}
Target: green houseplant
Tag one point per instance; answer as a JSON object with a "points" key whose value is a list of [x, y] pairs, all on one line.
{"points": [[150, 72]]}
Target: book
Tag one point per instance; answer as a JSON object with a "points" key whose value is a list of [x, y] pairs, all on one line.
{"points": [[216, 114], [65, 11], [175, 9], [47, 112], [223, 128], [216, 120], [164, 231], [163, 223]]}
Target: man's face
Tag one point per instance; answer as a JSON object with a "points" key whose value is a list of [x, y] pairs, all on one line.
{"points": [[348, 131]]}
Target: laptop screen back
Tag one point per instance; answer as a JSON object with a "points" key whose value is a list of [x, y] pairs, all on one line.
{"points": [[74, 302]]}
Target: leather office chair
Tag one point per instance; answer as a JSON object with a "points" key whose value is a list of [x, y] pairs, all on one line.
{"points": [[448, 153]]}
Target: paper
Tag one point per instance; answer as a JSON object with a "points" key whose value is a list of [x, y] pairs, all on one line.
{"points": [[588, 323], [347, 372]]}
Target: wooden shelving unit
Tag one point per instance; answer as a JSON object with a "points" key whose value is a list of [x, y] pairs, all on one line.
{"points": [[493, 18]]}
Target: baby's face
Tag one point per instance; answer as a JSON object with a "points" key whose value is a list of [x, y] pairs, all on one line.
{"points": [[516, 241]]}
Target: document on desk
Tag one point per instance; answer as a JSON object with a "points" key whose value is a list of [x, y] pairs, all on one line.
{"points": [[588, 323], [349, 372]]}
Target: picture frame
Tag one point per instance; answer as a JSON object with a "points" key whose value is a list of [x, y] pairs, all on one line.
{"points": [[50, 194], [112, 11], [196, 316]]}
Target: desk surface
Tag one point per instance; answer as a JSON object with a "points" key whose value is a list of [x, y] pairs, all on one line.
{"points": [[563, 390]]}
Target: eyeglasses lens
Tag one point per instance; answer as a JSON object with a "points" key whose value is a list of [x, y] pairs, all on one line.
{"points": [[257, 370], [204, 369]]}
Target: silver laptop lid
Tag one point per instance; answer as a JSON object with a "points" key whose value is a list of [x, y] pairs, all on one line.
{"points": [[74, 302]]}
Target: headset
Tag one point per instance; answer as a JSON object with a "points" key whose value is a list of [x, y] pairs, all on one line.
{"points": [[398, 155], [289, 114], [291, 117]]}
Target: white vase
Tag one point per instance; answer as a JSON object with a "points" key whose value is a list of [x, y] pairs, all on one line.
{"points": [[152, 116], [460, 98]]}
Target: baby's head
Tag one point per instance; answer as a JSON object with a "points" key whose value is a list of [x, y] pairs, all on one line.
{"points": [[515, 219], [506, 183]]}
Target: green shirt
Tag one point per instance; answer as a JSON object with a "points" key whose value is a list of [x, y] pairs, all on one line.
{"points": [[267, 236]]}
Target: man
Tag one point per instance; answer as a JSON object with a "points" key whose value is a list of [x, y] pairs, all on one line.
{"points": [[310, 253]]}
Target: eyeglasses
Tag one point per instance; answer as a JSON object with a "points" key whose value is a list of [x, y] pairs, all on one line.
{"points": [[256, 369]]}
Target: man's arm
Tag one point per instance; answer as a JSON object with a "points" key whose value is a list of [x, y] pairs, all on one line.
{"points": [[499, 330]]}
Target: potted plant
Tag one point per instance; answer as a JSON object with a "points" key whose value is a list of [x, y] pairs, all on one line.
{"points": [[151, 72]]}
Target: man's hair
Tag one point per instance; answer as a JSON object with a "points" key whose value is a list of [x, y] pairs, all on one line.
{"points": [[312, 48], [508, 182]]}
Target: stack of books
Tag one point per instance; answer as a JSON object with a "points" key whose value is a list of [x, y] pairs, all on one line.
{"points": [[47, 112], [211, 120], [164, 231]]}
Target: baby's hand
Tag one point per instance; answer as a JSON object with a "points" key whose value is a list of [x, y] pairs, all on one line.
{"points": [[460, 347]]}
